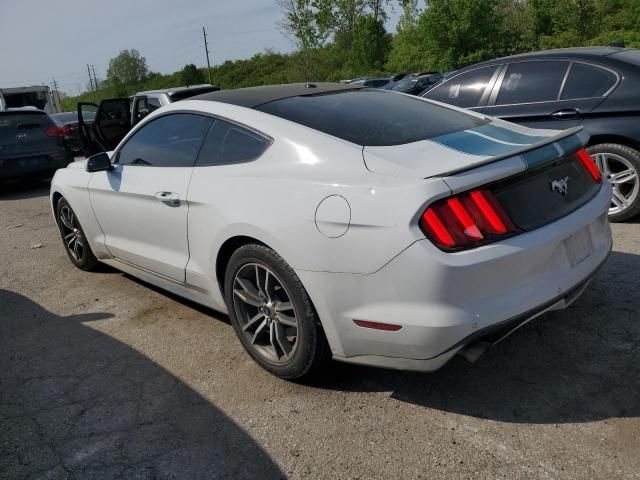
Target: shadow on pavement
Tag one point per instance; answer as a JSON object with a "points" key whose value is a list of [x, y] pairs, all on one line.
{"points": [[24, 189], [577, 365], [76, 401]]}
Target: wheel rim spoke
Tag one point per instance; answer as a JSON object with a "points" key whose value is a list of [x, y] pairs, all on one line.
{"points": [[247, 293], [281, 337], [258, 330], [284, 306], [287, 320], [623, 177], [253, 321]]}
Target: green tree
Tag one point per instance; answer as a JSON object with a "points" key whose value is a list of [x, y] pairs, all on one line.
{"points": [[460, 32], [407, 48], [128, 68], [369, 46], [191, 75]]}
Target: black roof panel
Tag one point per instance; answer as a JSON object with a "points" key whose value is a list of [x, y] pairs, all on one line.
{"points": [[252, 97]]}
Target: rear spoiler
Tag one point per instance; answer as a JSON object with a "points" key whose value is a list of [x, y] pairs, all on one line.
{"points": [[558, 146]]}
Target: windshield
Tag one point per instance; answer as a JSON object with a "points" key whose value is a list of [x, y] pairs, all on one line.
{"points": [[372, 117], [405, 84]]}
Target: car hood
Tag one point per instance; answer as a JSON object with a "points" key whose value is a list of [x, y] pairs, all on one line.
{"points": [[458, 151]]}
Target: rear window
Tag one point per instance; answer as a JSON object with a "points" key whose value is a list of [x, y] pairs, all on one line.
{"points": [[372, 117], [66, 117], [11, 124], [586, 81]]}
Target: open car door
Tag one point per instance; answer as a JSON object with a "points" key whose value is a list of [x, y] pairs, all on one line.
{"points": [[110, 123]]}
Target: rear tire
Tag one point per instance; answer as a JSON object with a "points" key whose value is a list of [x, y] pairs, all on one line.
{"points": [[272, 313], [73, 237], [621, 166]]}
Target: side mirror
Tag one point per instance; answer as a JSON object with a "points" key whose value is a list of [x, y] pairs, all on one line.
{"points": [[99, 163]]}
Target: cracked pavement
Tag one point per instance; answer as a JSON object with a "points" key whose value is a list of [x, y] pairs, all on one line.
{"points": [[102, 376]]}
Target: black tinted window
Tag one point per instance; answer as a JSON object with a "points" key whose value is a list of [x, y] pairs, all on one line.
{"points": [[527, 82], [371, 117], [168, 141], [153, 104], [227, 143], [464, 90], [586, 81]]}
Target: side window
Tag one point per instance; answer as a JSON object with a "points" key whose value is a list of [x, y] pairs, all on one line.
{"points": [[141, 108], [527, 82], [153, 103], [587, 81], [169, 141], [464, 90], [228, 143]]}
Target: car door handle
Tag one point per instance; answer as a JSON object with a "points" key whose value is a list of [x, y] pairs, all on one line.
{"points": [[168, 198], [567, 114]]}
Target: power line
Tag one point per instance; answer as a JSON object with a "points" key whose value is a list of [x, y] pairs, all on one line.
{"points": [[206, 49]]}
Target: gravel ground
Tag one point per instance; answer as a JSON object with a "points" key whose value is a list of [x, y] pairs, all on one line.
{"points": [[102, 376]]}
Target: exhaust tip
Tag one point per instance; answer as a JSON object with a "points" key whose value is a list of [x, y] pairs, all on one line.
{"points": [[474, 350]]}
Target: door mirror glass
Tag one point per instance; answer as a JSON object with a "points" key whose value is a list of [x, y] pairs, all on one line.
{"points": [[98, 163]]}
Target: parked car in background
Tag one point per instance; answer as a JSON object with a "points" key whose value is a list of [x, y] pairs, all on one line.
{"points": [[280, 205], [31, 144], [417, 83], [593, 87], [68, 122], [102, 126], [385, 83]]}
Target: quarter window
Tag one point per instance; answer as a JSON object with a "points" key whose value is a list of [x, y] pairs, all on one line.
{"points": [[464, 90], [527, 82], [587, 81], [169, 141], [227, 143]]}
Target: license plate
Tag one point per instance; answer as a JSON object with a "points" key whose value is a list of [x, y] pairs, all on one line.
{"points": [[579, 246]]}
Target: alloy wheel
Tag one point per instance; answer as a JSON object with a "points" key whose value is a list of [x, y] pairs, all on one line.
{"points": [[265, 313], [623, 177], [73, 239]]}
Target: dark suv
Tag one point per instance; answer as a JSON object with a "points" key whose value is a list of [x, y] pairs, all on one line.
{"points": [[595, 87], [31, 144]]}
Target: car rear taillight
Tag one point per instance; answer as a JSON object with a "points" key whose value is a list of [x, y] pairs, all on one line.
{"points": [[466, 220], [57, 131], [590, 165]]}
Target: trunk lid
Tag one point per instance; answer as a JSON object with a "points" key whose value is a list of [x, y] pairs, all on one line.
{"points": [[23, 133], [466, 149]]}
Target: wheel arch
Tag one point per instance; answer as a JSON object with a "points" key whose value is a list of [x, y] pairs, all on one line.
{"points": [[225, 252], [613, 138]]}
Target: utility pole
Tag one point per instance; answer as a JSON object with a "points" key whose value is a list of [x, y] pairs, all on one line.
{"points": [[206, 49], [95, 79], [90, 79], [56, 93]]}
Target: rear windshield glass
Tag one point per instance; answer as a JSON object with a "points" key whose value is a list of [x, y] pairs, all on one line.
{"points": [[12, 124], [372, 117], [66, 117]]}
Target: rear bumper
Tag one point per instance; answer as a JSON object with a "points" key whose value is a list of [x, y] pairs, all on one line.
{"points": [[33, 166], [445, 301]]}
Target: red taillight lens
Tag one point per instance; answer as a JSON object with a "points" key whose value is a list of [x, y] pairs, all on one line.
{"points": [[466, 220], [590, 165], [57, 131]]}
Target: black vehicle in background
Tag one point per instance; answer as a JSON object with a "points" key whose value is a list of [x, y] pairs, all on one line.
{"points": [[31, 144], [594, 87], [416, 83], [68, 123]]}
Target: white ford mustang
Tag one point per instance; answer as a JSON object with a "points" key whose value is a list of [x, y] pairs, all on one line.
{"points": [[376, 227]]}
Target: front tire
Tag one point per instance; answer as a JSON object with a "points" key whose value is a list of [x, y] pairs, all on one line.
{"points": [[621, 166], [272, 313], [73, 237]]}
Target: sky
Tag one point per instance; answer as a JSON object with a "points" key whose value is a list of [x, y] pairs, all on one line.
{"points": [[42, 40]]}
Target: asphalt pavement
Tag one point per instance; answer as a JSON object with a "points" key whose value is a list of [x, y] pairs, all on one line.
{"points": [[102, 376]]}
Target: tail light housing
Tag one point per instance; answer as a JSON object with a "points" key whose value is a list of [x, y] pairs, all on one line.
{"points": [[466, 220], [57, 131], [590, 165]]}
